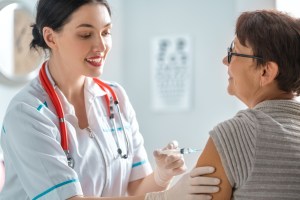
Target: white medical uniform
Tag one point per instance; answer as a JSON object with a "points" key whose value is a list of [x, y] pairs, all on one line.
{"points": [[36, 165], [1, 152]]}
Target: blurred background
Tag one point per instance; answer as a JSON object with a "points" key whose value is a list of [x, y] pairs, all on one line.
{"points": [[167, 54]]}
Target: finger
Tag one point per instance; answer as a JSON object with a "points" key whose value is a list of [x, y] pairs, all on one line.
{"points": [[201, 171], [203, 189], [204, 181], [171, 164], [157, 154], [179, 170], [172, 145], [175, 165], [199, 197], [173, 158]]}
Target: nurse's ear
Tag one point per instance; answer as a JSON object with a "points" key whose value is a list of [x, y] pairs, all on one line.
{"points": [[269, 73], [49, 37]]}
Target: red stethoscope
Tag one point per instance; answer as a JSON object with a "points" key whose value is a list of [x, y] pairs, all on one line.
{"points": [[110, 101]]}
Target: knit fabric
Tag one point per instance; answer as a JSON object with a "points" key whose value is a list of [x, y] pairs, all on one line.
{"points": [[260, 151]]}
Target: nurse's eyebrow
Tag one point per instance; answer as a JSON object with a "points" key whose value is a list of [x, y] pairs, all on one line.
{"points": [[91, 26]]}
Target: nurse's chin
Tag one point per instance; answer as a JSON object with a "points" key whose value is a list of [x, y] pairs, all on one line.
{"points": [[94, 73]]}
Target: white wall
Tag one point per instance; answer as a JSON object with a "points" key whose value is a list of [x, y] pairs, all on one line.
{"points": [[136, 22], [211, 25], [289, 6]]}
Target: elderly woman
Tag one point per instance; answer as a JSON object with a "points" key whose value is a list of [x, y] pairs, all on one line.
{"points": [[257, 152]]}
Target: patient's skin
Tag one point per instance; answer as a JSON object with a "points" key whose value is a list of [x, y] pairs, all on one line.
{"points": [[210, 157]]}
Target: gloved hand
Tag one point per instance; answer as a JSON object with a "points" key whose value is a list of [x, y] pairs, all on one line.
{"points": [[194, 186], [168, 166], [191, 186]]}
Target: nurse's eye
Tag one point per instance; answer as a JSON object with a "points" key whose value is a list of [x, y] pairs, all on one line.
{"points": [[106, 33], [85, 35]]}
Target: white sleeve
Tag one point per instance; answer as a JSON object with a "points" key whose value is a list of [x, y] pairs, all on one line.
{"points": [[141, 166], [1, 151], [31, 145]]}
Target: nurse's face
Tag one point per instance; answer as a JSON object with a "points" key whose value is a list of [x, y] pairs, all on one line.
{"points": [[84, 42]]}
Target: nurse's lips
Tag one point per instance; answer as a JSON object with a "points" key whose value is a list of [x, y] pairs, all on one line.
{"points": [[95, 61]]}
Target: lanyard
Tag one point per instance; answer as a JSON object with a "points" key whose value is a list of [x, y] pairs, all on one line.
{"points": [[60, 113]]}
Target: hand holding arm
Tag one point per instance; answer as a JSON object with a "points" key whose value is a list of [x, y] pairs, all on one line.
{"points": [[191, 186], [210, 156]]}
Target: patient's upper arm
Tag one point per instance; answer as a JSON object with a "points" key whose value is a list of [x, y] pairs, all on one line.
{"points": [[210, 157]]}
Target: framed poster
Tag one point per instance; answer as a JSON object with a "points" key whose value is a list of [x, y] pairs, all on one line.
{"points": [[171, 73]]}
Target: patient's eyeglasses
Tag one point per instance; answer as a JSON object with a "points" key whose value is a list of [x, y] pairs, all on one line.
{"points": [[230, 54]]}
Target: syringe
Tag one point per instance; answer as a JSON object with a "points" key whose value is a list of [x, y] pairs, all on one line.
{"points": [[180, 151]]}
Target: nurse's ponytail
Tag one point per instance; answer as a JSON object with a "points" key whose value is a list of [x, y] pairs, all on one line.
{"points": [[38, 40]]}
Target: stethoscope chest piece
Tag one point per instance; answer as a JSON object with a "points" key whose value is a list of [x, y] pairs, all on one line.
{"points": [[71, 162]]}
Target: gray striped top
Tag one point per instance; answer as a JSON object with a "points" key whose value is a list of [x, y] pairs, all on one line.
{"points": [[260, 151]]}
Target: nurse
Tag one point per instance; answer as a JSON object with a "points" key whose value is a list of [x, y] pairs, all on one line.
{"points": [[69, 135]]}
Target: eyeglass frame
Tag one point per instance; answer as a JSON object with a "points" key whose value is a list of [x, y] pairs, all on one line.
{"points": [[230, 54]]}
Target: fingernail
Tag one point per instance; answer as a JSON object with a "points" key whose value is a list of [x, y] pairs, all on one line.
{"points": [[208, 197], [211, 169], [215, 189], [216, 181]]}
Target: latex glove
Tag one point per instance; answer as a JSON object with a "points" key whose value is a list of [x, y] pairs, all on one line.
{"points": [[191, 186], [168, 166]]}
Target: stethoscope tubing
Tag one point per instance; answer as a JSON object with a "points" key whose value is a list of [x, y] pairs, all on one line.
{"points": [[57, 105], [59, 110], [106, 87]]}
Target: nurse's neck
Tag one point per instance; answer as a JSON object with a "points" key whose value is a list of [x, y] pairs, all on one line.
{"points": [[70, 83], [72, 86]]}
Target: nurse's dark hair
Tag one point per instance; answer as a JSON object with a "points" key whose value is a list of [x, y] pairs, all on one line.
{"points": [[55, 14], [274, 36]]}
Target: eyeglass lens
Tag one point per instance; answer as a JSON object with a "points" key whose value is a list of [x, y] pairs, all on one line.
{"points": [[229, 51]]}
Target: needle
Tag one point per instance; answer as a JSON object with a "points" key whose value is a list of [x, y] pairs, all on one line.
{"points": [[180, 151]]}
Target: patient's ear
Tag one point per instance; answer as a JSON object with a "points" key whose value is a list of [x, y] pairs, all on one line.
{"points": [[269, 73]]}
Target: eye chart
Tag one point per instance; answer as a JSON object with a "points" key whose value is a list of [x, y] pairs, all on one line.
{"points": [[171, 73]]}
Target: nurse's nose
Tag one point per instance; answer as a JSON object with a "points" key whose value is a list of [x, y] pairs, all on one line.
{"points": [[100, 44]]}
